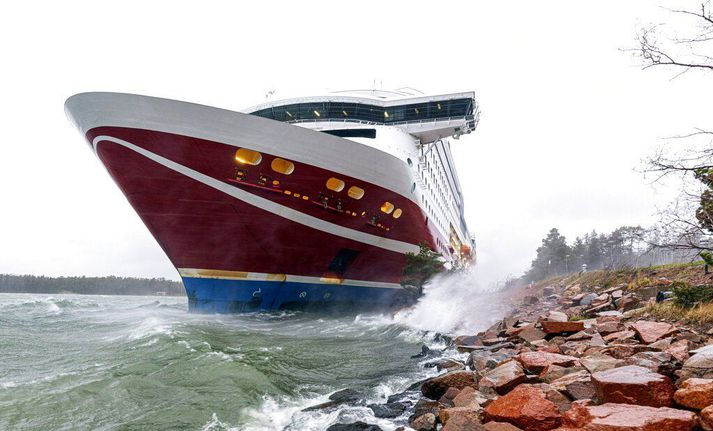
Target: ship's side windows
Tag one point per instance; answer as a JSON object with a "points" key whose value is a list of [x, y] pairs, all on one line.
{"points": [[355, 192], [397, 213], [248, 157], [335, 184], [282, 166], [387, 207]]}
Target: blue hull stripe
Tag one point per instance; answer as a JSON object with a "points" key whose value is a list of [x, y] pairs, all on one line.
{"points": [[211, 295]]}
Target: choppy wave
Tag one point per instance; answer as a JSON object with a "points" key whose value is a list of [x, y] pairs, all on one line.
{"points": [[87, 362]]}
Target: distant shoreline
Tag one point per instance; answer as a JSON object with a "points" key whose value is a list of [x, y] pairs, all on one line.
{"points": [[109, 285]]}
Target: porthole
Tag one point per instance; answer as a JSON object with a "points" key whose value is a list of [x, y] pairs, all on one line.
{"points": [[355, 192], [387, 207], [282, 166], [413, 187], [335, 184], [397, 213], [248, 157], [408, 160]]}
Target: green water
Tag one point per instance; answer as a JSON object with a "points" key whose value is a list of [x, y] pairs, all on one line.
{"points": [[72, 362]]}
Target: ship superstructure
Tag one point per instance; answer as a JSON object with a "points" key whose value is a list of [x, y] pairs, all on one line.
{"points": [[296, 202]]}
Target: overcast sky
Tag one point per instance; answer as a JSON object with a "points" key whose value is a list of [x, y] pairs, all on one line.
{"points": [[567, 116]]}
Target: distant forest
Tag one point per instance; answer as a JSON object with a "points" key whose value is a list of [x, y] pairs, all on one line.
{"points": [[90, 285], [627, 246]]}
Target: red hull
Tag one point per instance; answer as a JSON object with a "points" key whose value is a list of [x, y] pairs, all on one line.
{"points": [[199, 226]]}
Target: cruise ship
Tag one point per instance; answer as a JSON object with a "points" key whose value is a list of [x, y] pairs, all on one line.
{"points": [[294, 203]]}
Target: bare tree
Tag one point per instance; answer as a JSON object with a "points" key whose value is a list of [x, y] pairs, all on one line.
{"points": [[684, 44], [685, 47]]}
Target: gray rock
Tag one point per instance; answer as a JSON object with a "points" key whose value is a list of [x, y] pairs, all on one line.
{"points": [[425, 422], [388, 410], [355, 426], [480, 360], [600, 362], [340, 397], [588, 298]]}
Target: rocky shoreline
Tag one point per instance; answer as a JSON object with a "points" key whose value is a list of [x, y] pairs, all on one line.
{"points": [[567, 358]]}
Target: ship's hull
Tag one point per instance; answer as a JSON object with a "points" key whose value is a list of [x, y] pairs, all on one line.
{"points": [[246, 237]]}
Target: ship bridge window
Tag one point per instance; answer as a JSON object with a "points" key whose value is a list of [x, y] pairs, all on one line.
{"points": [[248, 157], [355, 192], [352, 133], [335, 184], [397, 213], [282, 166], [320, 111], [387, 207]]}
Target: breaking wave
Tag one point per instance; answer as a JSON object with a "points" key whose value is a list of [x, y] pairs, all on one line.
{"points": [[455, 303]]}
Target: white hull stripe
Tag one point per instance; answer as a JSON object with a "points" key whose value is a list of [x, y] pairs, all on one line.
{"points": [[266, 204], [278, 278]]}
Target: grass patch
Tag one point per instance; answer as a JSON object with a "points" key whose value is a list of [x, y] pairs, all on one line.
{"points": [[700, 314], [639, 282], [677, 265]]}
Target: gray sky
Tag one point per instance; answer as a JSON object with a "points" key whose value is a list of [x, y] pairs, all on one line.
{"points": [[566, 116]]}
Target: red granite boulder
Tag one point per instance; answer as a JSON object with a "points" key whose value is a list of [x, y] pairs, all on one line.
{"points": [[707, 418], [500, 426], [633, 385], [627, 417], [468, 397], [695, 393], [504, 377], [535, 362], [460, 418], [650, 332], [561, 327], [525, 407], [436, 387]]}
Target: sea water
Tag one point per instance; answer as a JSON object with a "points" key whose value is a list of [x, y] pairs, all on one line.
{"points": [[74, 362]]}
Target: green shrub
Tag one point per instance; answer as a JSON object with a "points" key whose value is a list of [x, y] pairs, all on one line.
{"points": [[421, 267], [687, 296]]}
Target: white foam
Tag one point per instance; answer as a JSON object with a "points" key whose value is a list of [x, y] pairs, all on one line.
{"points": [[53, 308], [214, 424], [287, 414], [225, 356], [455, 303], [149, 327]]}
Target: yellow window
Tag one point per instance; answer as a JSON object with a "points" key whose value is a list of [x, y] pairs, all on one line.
{"points": [[248, 157], [397, 213], [335, 184], [282, 166], [355, 192], [387, 207]]}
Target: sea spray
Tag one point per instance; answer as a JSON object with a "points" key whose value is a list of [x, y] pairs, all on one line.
{"points": [[455, 303]]}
